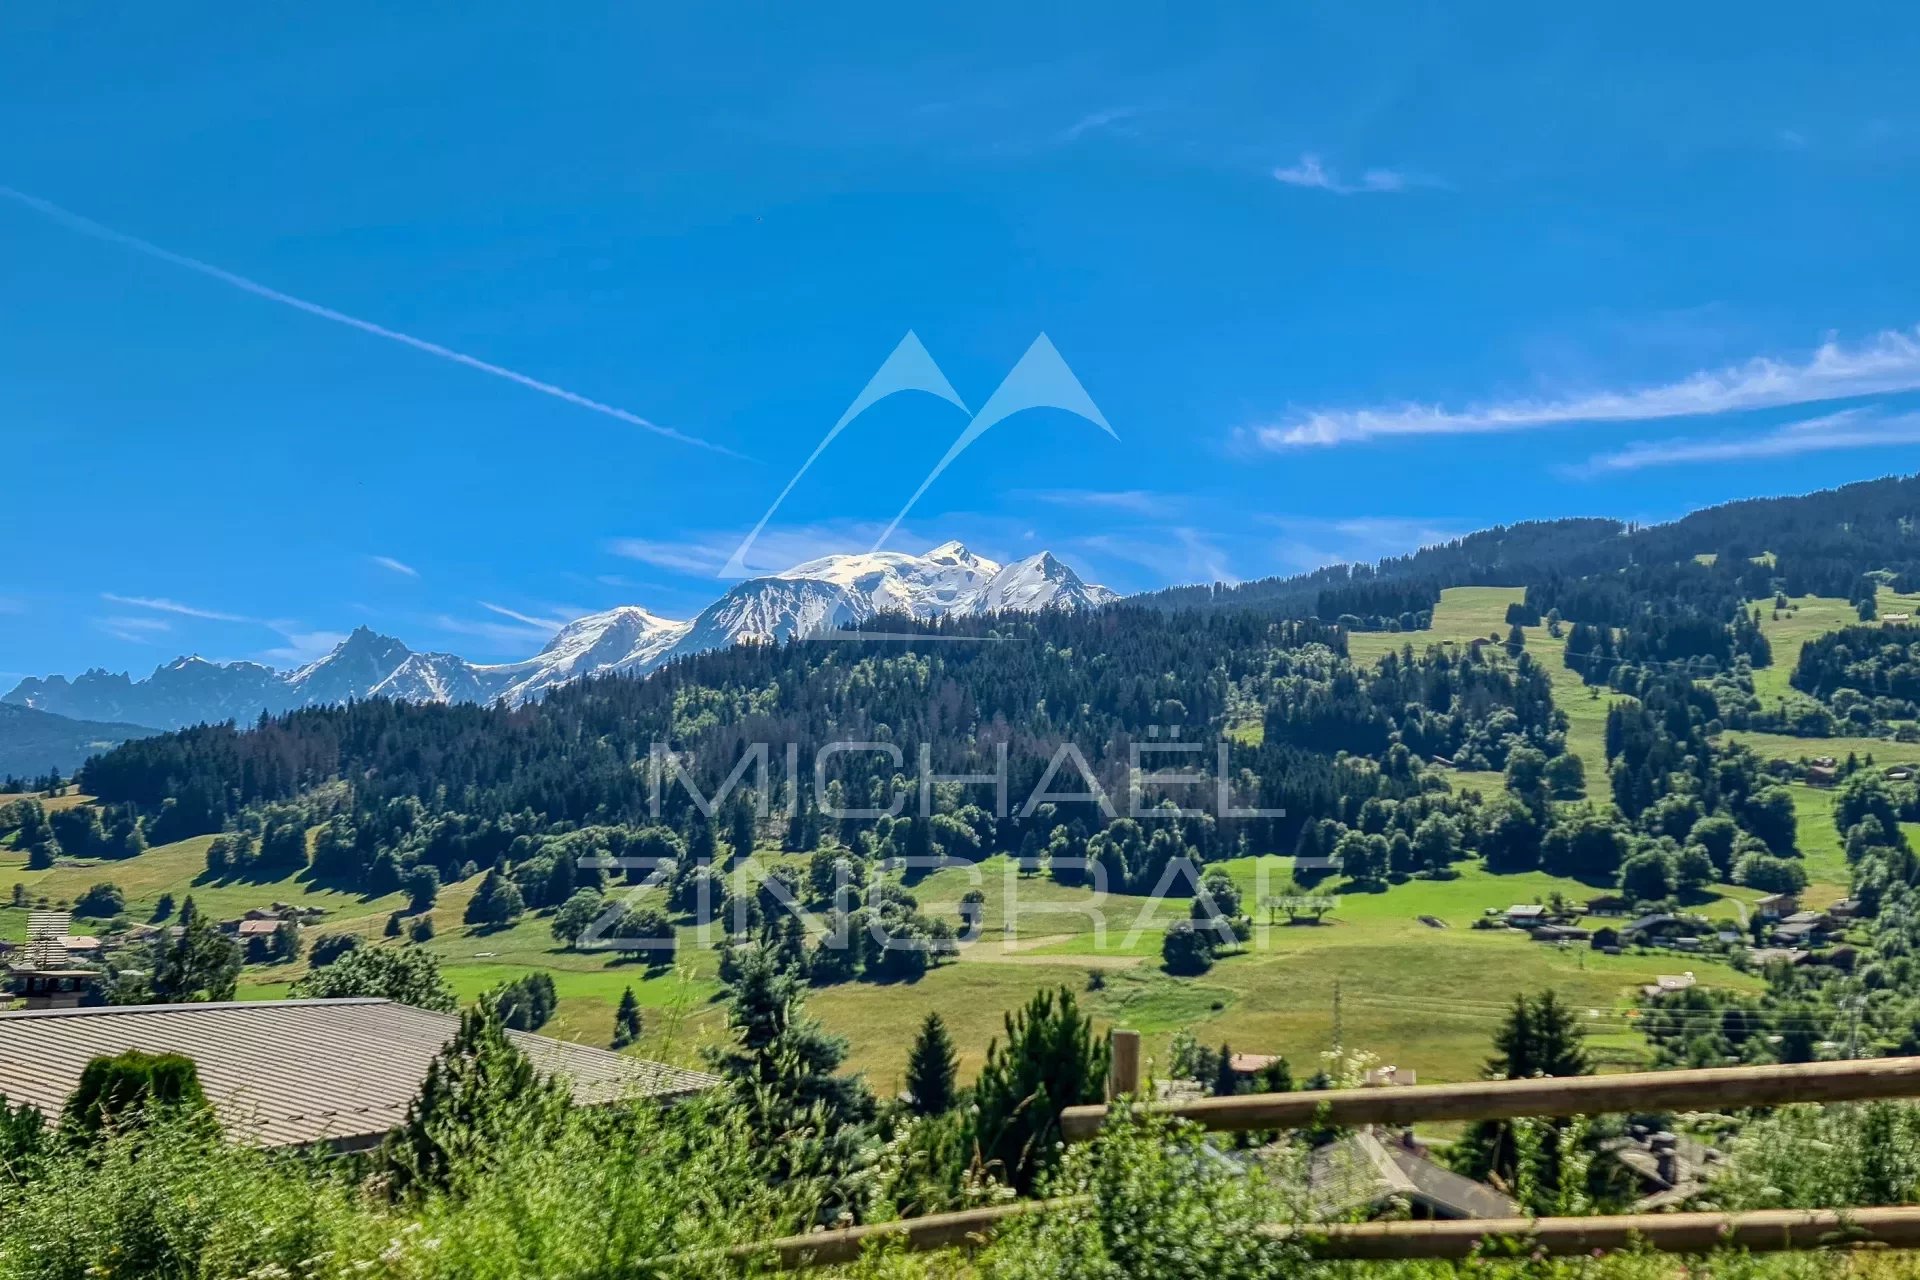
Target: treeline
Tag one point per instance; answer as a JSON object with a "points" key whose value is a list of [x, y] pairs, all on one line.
{"points": [[393, 787], [1879, 664]]}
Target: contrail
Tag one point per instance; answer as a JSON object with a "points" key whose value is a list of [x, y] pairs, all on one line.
{"points": [[87, 226]]}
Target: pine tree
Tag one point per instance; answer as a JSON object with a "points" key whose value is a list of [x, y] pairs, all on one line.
{"points": [[782, 1062], [1540, 1037], [1226, 1081], [626, 1020], [480, 1091], [931, 1067], [202, 964], [1051, 1060]]}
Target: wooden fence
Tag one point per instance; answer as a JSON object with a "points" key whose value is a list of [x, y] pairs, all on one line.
{"points": [[1717, 1089]]}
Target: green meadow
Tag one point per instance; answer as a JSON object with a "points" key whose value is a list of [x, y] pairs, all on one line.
{"points": [[1421, 993]]}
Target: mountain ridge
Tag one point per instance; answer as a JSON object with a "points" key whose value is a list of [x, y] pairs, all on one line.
{"points": [[819, 595]]}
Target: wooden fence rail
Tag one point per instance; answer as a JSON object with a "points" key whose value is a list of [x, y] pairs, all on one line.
{"points": [[1763, 1231], [1715, 1089]]}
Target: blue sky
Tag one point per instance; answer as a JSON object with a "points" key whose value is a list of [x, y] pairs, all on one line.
{"points": [[455, 320]]}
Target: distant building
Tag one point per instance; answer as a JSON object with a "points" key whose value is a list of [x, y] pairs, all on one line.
{"points": [[1251, 1064], [1369, 1173], [1668, 1169], [1523, 916], [1667, 984], [290, 1073], [1389, 1076], [45, 975], [1561, 933], [1776, 906]]}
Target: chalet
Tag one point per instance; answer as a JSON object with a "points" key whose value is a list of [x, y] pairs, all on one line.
{"points": [[1844, 909], [1900, 773], [1776, 906], [1654, 930], [1384, 1077], [1667, 1169], [46, 976], [1667, 985], [250, 928], [1561, 933], [299, 1073], [1251, 1064], [1821, 775], [1803, 929], [1522, 916], [1608, 904], [1889, 619], [1761, 957], [1371, 1174]]}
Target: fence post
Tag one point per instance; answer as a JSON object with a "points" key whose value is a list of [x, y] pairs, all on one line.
{"points": [[1123, 1071]]}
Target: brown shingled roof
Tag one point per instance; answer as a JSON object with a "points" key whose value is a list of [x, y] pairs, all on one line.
{"points": [[293, 1072]]}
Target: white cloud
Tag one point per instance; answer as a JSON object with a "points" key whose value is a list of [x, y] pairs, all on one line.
{"points": [[1848, 429], [1173, 555], [507, 635], [1138, 501], [388, 562], [774, 551], [134, 629], [1311, 542], [1095, 121], [302, 647], [162, 605], [1309, 172], [1889, 362], [550, 625]]}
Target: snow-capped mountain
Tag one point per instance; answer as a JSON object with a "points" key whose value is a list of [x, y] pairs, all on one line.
{"points": [[769, 611], [809, 598], [951, 580], [628, 638]]}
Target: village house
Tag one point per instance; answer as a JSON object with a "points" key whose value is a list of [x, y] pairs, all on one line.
{"points": [[1561, 933], [1776, 906], [1803, 929], [1668, 1169], [1667, 984], [1371, 1173], [1526, 916]]}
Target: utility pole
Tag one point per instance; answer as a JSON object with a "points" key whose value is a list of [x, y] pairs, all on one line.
{"points": [[1339, 1040]]}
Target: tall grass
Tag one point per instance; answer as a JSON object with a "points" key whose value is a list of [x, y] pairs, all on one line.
{"points": [[627, 1193]]}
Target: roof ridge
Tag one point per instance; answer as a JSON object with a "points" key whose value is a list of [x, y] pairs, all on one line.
{"points": [[107, 1009]]}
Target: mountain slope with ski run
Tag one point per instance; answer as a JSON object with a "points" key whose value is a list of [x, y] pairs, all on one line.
{"points": [[809, 599]]}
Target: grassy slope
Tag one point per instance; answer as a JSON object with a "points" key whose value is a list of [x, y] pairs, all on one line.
{"points": [[1468, 613], [1427, 998]]}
